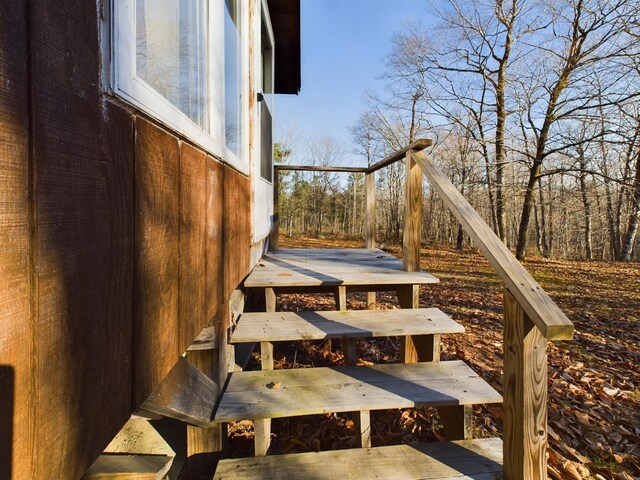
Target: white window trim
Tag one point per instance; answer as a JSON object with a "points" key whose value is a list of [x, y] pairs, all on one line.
{"points": [[134, 90]]}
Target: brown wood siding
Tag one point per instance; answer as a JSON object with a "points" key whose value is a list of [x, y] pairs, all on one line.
{"points": [[83, 256], [237, 228], [15, 375], [193, 196], [120, 241], [214, 253], [155, 337]]}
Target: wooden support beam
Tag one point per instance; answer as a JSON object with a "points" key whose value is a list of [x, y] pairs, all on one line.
{"points": [[412, 215], [262, 427], [417, 348], [274, 236], [204, 444], [362, 427], [349, 345], [525, 395], [185, 394], [457, 422]]}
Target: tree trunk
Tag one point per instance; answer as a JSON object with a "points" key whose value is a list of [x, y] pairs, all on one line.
{"points": [[634, 216]]}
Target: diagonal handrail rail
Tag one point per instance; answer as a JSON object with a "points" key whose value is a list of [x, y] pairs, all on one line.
{"points": [[540, 308]]}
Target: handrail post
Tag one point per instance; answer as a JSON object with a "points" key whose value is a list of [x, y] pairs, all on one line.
{"points": [[275, 224], [370, 224], [412, 214], [525, 395], [370, 194]]}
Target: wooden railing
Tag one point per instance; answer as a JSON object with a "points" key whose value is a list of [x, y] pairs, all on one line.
{"points": [[531, 318]]}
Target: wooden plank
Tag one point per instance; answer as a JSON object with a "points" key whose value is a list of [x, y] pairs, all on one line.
{"points": [[470, 459], [82, 186], [274, 235], [214, 247], [357, 267], [399, 155], [204, 444], [156, 328], [16, 267], [186, 394], [525, 394], [320, 168], [128, 467], [291, 326], [262, 427], [412, 215], [250, 395], [539, 307], [193, 236], [237, 228]]}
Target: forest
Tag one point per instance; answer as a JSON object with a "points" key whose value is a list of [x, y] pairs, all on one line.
{"points": [[534, 110]]}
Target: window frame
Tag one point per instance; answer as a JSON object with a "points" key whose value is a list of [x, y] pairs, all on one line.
{"points": [[134, 90]]}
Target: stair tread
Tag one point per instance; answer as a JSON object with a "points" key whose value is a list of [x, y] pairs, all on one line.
{"points": [[308, 391], [290, 326], [479, 459]]}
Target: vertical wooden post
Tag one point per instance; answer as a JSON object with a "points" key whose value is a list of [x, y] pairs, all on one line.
{"points": [[275, 227], [262, 427], [417, 348], [370, 195], [204, 444], [525, 395], [412, 215]]}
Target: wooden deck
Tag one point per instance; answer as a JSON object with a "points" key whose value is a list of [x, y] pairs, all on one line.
{"points": [[359, 269]]}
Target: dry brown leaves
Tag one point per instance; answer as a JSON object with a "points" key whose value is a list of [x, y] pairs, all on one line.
{"points": [[594, 380]]}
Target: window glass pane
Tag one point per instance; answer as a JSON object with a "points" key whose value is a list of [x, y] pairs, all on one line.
{"points": [[233, 76], [170, 52]]}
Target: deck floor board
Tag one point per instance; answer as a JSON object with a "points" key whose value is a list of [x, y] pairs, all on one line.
{"points": [[309, 391], [332, 267], [292, 326], [467, 459]]}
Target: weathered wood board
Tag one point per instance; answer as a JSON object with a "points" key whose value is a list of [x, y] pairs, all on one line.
{"points": [[290, 326], [16, 428], [237, 228], [214, 253], [308, 391], [192, 286], [156, 325], [82, 178], [332, 267], [469, 459]]}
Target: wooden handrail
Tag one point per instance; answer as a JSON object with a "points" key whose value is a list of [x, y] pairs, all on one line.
{"points": [[316, 168], [400, 154], [538, 306]]}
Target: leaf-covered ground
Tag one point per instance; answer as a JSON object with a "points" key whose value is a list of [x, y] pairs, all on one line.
{"points": [[594, 380]]}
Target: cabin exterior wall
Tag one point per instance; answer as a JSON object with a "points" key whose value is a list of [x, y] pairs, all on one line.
{"points": [[120, 240]]}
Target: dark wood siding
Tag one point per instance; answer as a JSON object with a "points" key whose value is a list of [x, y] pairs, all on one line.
{"points": [[120, 241], [15, 375]]}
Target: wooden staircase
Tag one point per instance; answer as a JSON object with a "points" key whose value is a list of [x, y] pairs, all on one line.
{"points": [[451, 386], [531, 319]]}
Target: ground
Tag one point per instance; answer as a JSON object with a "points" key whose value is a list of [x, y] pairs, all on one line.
{"points": [[594, 380]]}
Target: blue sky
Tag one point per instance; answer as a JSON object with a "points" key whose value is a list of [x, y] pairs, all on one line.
{"points": [[344, 43]]}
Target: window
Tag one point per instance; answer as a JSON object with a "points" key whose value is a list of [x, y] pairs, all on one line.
{"points": [[183, 62], [266, 98]]}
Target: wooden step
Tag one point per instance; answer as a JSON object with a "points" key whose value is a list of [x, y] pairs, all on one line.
{"points": [[308, 391], [467, 459], [290, 326]]}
